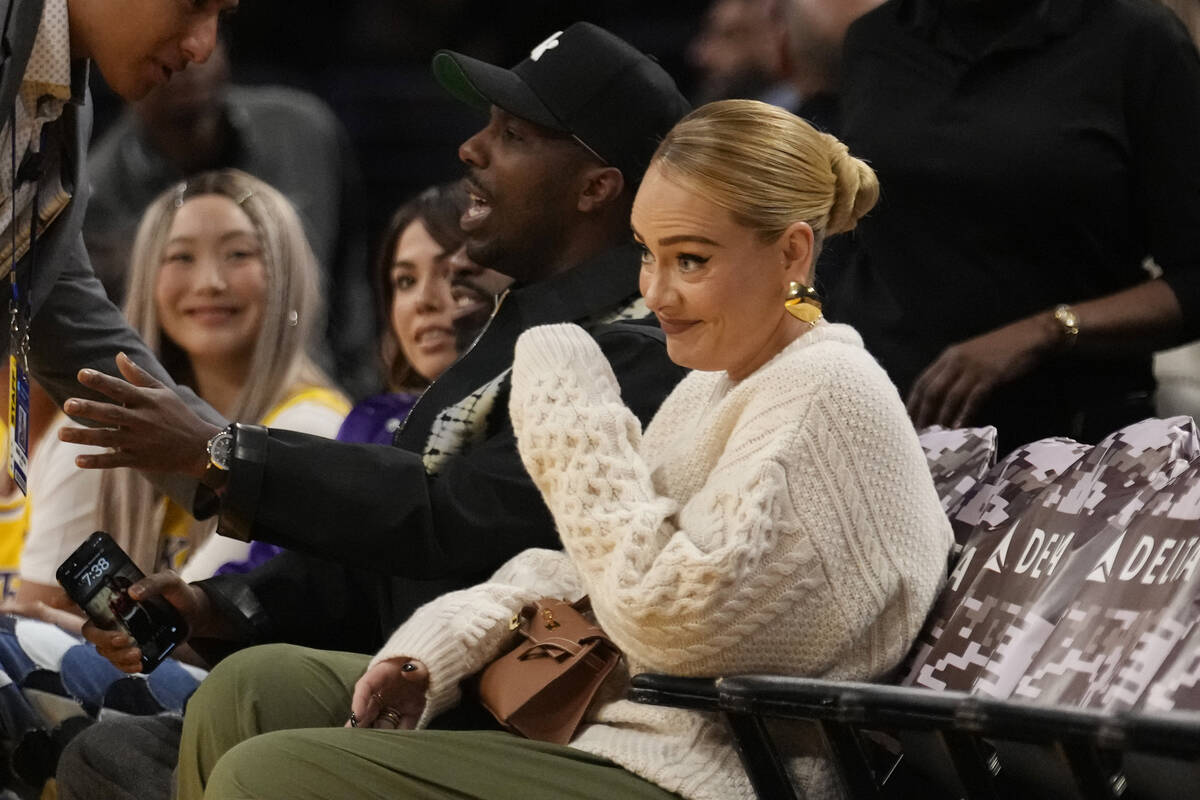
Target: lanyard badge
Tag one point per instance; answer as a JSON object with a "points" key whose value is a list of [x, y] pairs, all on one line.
{"points": [[18, 421]]}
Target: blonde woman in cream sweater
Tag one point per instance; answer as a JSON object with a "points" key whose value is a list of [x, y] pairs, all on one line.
{"points": [[776, 515]]}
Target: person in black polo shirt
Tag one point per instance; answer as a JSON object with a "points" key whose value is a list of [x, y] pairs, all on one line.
{"points": [[1031, 154]]}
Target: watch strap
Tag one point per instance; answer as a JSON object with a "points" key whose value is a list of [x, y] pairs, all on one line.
{"points": [[239, 498]]}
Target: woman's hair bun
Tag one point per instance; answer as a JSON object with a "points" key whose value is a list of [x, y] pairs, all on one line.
{"points": [[855, 187]]}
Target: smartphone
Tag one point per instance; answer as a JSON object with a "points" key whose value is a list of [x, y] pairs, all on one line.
{"points": [[97, 576]]}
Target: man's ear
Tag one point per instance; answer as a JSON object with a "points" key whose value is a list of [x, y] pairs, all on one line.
{"points": [[797, 244], [600, 186]]}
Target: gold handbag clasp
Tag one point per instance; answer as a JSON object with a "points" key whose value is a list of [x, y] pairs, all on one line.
{"points": [[548, 616]]}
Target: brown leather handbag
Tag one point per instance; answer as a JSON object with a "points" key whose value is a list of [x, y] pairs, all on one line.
{"points": [[541, 688]]}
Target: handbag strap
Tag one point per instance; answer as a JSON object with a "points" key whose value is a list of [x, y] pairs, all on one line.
{"points": [[556, 645], [551, 647]]}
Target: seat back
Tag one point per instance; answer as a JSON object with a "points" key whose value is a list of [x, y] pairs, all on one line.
{"points": [[1133, 608], [1033, 549]]}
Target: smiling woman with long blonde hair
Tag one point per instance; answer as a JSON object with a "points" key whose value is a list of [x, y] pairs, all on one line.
{"points": [[223, 288]]}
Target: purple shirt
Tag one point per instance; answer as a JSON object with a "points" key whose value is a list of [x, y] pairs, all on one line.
{"points": [[374, 420]]}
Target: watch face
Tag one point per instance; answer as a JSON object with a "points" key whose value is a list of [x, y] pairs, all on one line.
{"points": [[1066, 316], [220, 449]]}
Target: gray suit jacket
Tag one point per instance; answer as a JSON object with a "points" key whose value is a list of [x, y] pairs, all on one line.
{"points": [[74, 325]]}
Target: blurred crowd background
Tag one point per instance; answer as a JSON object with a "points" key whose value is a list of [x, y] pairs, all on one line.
{"points": [[369, 60]]}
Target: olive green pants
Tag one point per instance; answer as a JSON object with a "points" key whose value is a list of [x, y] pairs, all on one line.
{"points": [[266, 724]]}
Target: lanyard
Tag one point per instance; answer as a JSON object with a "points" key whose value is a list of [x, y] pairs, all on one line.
{"points": [[20, 307], [20, 312]]}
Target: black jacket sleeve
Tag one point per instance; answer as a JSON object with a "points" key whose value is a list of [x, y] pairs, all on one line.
{"points": [[374, 507]]}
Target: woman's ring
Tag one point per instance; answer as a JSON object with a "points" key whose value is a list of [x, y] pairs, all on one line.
{"points": [[391, 715]]}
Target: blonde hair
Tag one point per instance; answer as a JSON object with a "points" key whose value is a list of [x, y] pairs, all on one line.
{"points": [[129, 507], [768, 168]]}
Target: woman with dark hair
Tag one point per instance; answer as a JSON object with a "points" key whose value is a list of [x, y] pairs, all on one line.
{"points": [[432, 299]]}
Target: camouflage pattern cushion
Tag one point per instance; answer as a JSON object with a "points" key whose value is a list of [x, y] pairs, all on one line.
{"points": [[1028, 528], [958, 458]]}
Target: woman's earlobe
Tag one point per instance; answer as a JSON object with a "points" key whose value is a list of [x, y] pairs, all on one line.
{"points": [[798, 250]]}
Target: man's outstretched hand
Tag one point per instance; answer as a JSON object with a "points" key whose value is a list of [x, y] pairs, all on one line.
{"points": [[147, 426]]}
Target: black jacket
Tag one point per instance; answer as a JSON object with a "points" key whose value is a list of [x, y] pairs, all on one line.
{"points": [[392, 527]]}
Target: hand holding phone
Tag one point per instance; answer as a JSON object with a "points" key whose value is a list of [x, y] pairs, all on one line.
{"points": [[98, 576]]}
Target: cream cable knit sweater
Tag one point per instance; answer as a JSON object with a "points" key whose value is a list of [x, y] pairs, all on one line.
{"points": [[786, 523]]}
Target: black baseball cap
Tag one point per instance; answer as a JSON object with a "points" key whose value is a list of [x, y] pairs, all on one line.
{"points": [[617, 101]]}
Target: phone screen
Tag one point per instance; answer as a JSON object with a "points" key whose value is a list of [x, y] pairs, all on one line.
{"points": [[109, 603], [98, 576]]}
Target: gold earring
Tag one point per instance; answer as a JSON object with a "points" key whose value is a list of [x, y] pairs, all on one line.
{"points": [[803, 303]]}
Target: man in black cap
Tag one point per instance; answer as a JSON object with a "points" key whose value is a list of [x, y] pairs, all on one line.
{"points": [[374, 532]]}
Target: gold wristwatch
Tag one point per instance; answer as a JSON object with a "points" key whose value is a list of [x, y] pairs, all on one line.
{"points": [[1068, 321]]}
